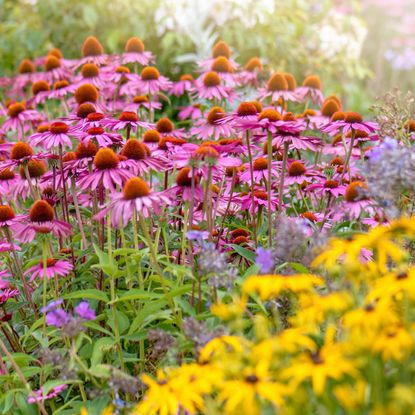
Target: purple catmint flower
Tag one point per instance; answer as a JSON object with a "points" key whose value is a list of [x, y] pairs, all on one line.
{"points": [[85, 311], [57, 318], [53, 305], [264, 260]]}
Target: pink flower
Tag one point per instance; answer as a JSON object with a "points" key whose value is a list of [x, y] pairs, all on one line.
{"points": [[39, 396], [211, 128], [209, 87], [54, 268], [352, 121], [55, 137]]}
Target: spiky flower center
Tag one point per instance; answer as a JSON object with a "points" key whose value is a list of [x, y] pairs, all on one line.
{"points": [[20, 150], [211, 79], [15, 109], [86, 150], [134, 45], [246, 108], [329, 107], [252, 64], [122, 69], [261, 163], [41, 211], [205, 152], [59, 128], [354, 191], [270, 114], [184, 178], [6, 213], [186, 77], [89, 70], [289, 116], [69, 156], [150, 73], [86, 93], [221, 48], [331, 184], [151, 136], [240, 240], [92, 47], [96, 131], [26, 66], [60, 84], [128, 116], [39, 86], [52, 62], [291, 81], [42, 128], [139, 99], [7, 174], [164, 126], [215, 114], [36, 168], [337, 161], [134, 150], [358, 134], [296, 169], [338, 116], [57, 53], [221, 65], [277, 82], [261, 194], [352, 117], [85, 109], [410, 126], [312, 81], [134, 188], [105, 159], [239, 232], [310, 216]]}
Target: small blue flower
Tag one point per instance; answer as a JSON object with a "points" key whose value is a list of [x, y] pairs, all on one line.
{"points": [[264, 259], [197, 235]]}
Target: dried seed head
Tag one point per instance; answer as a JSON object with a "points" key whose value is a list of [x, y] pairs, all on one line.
{"points": [[92, 47], [134, 188], [134, 45]]}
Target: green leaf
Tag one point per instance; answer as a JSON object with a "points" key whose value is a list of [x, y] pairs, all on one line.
{"points": [[105, 264], [246, 253], [300, 268], [101, 346], [91, 293], [136, 294], [100, 371], [146, 311]]}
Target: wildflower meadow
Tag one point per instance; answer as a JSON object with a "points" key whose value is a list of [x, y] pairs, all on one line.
{"points": [[230, 240]]}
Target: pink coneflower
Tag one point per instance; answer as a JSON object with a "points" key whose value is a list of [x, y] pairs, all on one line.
{"points": [[136, 197], [29, 176], [223, 68], [8, 293], [6, 246], [229, 146], [39, 396], [209, 87], [40, 220], [219, 49], [311, 90], [21, 153], [90, 73], [325, 186], [295, 140], [40, 91], [18, 117], [139, 159], [191, 111], [79, 114], [183, 189], [107, 172], [92, 120], [260, 198], [54, 268], [54, 137], [166, 128], [61, 89], [120, 74], [246, 113], [298, 174], [99, 136], [7, 216], [151, 82], [92, 52], [135, 52], [170, 146], [54, 70], [352, 121], [277, 88], [355, 200], [141, 101], [211, 126], [268, 119], [185, 84], [336, 147], [249, 74], [260, 170], [127, 120], [8, 181]]}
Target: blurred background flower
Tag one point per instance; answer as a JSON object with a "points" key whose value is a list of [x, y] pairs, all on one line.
{"points": [[359, 47]]}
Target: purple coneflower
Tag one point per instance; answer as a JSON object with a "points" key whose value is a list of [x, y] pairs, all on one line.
{"points": [[185, 84], [211, 126], [277, 88], [311, 90], [54, 137], [39, 396], [18, 117], [191, 111], [352, 121], [209, 87], [136, 53], [127, 120], [260, 170], [54, 268]]}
